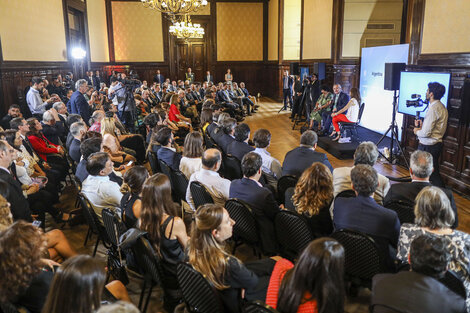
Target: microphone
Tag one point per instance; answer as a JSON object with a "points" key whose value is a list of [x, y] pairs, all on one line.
{"points": [[415, 95]]}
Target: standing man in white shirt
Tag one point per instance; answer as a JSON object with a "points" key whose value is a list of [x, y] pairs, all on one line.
{"points": [[97, 187], [431, 130], [34, 100], [218, 187]]}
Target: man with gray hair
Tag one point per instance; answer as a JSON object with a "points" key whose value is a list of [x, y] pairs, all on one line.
{"points": [[363, 214], [421, 168], [78, 131], [366, 153], [52, 127], [78, 103], [298, 160]]}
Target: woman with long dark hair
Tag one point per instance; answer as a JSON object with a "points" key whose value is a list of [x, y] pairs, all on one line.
{"points": [[192, 154], [312, 198], [314, 284], [352, 114], [166, 231], [79, 287], [131, 187]]}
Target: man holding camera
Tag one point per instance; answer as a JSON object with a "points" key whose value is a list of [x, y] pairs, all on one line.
{"points": [[117, 93], [431, 130]]}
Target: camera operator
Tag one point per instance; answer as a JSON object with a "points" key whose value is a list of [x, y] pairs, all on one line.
{"points": [[117, 93], [69, 83], [432, 129]]}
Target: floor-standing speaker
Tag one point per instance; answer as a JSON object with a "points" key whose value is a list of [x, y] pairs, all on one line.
{"points": [[294, 68], [392, 75]]}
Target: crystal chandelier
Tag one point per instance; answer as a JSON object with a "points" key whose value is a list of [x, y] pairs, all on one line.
{"points": [[185, 29], [174, 7]]}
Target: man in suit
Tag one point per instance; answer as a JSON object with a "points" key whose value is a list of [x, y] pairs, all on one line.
{"points": [[259, 199], [296, 110], [97, 80], [19, 204], [61, 110], [363, 214], [13, 111], [158, 78], [239, 147], [167, 153], [421, 168], [287, 82], [216, 110], [78, 130], [418, 290], [209, 78], [78, 103], [52, 127], [301, 158], [340, 99], [89, 78]]}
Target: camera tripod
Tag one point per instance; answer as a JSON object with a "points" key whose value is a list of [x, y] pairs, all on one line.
{"points": [[393, 129]]}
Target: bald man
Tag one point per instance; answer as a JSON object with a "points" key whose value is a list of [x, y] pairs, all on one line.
{"points": [[217, 186]]}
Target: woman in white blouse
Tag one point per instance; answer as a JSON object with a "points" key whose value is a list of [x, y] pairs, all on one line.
{"points": [[192, 154], [351, 115]]}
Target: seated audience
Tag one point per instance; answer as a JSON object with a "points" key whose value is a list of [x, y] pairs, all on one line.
{"points": [[216, 110], [97, 187], [363, 214], [212, 227], [96, 119], [366, 153], [312, 198], [26, 275], [435, 216], [239, 147], [271, 166], [217, 186], [118, 307], [260, 200], [218, 130], [206, 119], [78, 130], [167, 153], [131, 204], [298, 160], [165, 230], [79, 286], [421, 168], [71, 118], [192, 154], [418, 290], [314, 284]]}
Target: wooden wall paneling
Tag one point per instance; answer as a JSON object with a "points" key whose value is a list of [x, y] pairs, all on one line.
{"points": [[347, 75], [109, 24], [337, 31], [415, 29], [265, 29]]}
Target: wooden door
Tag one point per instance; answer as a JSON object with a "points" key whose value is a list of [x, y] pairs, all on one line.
{"points": [[190, 54]]}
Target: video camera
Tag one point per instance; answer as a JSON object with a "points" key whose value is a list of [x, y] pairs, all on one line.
{"points": [[418, 102]]}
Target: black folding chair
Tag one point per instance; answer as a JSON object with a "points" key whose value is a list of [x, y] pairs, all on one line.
{"points": [[200, 194], [114, 229], [232, 167], [95, 226], [198, 294], [7, 307], [404, 209], [245, 229], [352, 126], [284, 183], [165, 169], [362, 256], [258, 306], [149, 263], [292, 233], [348, 193], [451, 281], [209, 142], [152, 157], [179, 184]]}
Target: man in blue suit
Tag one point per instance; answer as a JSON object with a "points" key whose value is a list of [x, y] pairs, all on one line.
{"points": [[258, 198], [301, 158], [78, 103], [363, 214], [287, 82], [239, 147], [167, 153], [340, 99]]}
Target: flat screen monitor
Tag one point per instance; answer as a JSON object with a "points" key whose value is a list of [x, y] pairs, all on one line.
{"points": [[413, 86]]}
